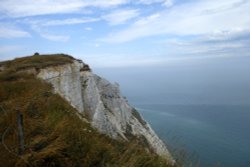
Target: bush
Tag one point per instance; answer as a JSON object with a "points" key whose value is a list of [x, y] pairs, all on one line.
{"points": [[36, 54]]}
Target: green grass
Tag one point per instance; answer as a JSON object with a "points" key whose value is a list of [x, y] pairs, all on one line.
{"points": [[55, 136]]}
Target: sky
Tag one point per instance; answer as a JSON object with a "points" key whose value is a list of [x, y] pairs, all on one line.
{"points": [[126, 33], [220, 81]]}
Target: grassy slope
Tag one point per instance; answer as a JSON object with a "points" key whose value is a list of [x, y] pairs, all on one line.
{"points": [[54, 134], [39, 61]]}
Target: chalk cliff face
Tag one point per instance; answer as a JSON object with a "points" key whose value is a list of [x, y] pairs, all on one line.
{"points": [[66, 81], [103, 103]]}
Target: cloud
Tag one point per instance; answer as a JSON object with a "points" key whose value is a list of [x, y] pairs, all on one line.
{"points": [[120, 16], [71, 21], [88, 28], [223, 7], [56, 38], [111, 60], [224, 36], [218, 44], [22, 8], [193, 52], [105, 4], [44, 33], [41, 26], [10, 51], [9, 48], [167, 3], [10, 32], [61, 22], [188, 19], [234, 43], [189, 29]]}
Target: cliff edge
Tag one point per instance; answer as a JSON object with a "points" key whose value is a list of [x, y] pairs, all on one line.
{"points": [[102, 101], [98, 99]]}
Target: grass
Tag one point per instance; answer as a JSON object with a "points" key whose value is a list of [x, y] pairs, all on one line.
{"points": [[37, 61], [55, 136]]}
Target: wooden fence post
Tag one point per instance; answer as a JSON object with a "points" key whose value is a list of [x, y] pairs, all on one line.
{"points": [[20, 132]]}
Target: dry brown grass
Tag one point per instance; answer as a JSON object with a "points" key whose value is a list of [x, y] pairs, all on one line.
{"points": [[54, 135], [37, 61]]}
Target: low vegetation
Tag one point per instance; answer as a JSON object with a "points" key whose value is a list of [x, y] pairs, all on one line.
{"points": [[54, 135], [37, 61]]}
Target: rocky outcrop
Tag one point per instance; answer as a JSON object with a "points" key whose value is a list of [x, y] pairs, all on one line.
{"points": [[103, 103]]}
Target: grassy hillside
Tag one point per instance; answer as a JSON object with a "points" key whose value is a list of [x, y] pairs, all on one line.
{"points": [[37, 61], [54, 136]]}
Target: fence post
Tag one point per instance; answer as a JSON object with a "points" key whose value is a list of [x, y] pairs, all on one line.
{"points": [[20, 132]]}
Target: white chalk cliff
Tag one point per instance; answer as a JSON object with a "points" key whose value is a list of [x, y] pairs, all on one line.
{"points": [[102, 102]]}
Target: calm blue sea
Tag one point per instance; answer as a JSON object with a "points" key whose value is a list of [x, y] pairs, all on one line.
{"points": [[214, 135]]}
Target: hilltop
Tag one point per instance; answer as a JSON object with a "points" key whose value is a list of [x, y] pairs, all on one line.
{"points": [[60, 130]]}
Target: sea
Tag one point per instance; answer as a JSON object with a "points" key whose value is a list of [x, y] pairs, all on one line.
{"points": [[200, 108], [203, 135]]}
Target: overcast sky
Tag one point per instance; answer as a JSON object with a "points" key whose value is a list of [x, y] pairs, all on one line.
{"points": [[121, 33]]}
